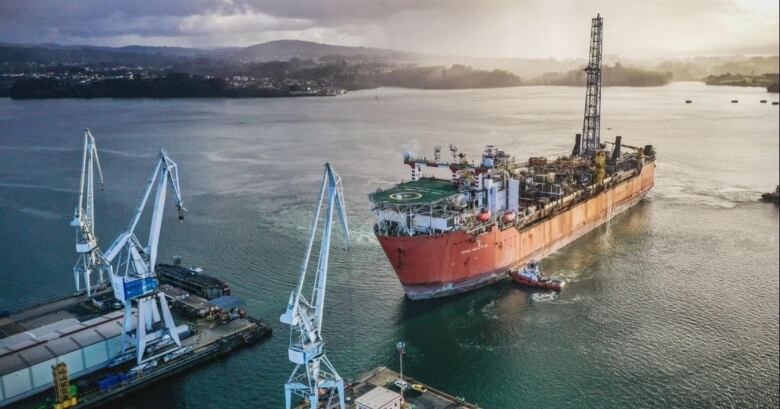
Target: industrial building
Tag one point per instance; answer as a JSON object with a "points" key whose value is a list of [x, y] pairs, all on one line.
{"points": [[27, 357], [379, 398]]}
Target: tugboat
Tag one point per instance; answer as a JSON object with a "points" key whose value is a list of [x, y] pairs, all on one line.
{"points": [[773, 196], [530, 276]]}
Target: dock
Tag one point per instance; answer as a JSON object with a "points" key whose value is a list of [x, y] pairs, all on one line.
{"points": [[85, 335], [377, 389]]}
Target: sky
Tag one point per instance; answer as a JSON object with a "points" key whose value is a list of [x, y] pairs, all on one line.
{"points": [[477, 28]]}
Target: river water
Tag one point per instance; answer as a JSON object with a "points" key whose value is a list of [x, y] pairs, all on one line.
{"points": [[672, 304]]}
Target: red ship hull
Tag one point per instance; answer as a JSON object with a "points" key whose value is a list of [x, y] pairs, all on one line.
{"points": [[430, 266]]}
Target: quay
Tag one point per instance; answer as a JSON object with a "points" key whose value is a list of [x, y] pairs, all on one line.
{"points": [[377, 389], [85, 334]]}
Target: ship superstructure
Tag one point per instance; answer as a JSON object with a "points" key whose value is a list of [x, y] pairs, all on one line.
{"points": [[444, 236]]}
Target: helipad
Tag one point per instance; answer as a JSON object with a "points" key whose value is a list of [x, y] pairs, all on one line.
{"points": [[418, 192]]}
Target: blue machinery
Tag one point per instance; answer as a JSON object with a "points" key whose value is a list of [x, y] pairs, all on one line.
{"points": [[134, 277], [305, 318]]}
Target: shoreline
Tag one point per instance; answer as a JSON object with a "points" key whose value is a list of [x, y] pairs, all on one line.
{"points": [[275, 96]]}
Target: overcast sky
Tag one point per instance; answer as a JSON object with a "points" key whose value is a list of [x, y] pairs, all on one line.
{"points": [[483, 28]]}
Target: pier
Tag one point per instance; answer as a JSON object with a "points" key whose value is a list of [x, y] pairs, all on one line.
{"points": [[363, 393], [76, 331]]}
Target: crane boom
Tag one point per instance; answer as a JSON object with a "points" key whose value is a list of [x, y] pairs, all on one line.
{"points": [[135, 278], [90, 259], [169, 171], [304, 317]]}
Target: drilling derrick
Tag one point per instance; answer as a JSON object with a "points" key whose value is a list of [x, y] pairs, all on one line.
{"points": [[592, 121]]}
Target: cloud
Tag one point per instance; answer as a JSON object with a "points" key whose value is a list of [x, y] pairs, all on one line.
{"points": [[468, 27]]}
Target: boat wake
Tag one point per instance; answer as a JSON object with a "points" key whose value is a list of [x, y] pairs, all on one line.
{"points": [[42, 214], [543, 297], [40, 187], [677, 186]]}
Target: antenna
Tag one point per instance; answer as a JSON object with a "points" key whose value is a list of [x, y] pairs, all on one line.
{"points": [[436, 153]]}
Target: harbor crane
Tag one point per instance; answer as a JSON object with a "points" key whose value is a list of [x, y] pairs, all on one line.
{"points": [[90, 259], [307, 348], [135, 278]]}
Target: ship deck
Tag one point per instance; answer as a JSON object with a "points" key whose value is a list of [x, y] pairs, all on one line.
{"points": [[423, 191]]}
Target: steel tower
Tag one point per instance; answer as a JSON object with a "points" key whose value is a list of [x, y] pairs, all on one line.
{"points": [[307, 348], [591, 124]]}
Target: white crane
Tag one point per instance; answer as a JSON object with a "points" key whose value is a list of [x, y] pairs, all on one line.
{"points": [[90, 260], [305, 317], [134, 277]]}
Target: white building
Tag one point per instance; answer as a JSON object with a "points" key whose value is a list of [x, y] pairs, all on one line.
{"points": [[26, 358], [379, 398]]}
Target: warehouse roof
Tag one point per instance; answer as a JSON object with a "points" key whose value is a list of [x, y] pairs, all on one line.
{"points": [[377, 397], [50, 341], [227, 302]]}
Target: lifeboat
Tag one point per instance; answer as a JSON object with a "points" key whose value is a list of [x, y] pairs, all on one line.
{"points": [[531, 277], [484, 215], [509, 217]]}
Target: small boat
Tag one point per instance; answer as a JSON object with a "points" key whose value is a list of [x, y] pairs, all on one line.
{"points": [[734, 101], [688, 101], [775, 102], [763, 101], [772, 196], [530, 276]]}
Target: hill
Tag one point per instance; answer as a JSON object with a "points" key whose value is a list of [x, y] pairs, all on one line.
{"points": [[286, 50]]}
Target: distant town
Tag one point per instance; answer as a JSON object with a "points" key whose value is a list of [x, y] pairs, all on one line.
{"points": [[291, 68], [80, 80], [769, 81]]}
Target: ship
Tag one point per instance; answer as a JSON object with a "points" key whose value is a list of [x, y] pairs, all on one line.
{"points": [[772, 196], [450, 235]]}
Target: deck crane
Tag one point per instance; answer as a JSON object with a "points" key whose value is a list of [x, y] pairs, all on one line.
{"points": [[90, 260], [134, 277], [305, 318]]}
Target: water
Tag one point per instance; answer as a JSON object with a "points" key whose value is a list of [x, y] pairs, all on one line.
{"points": [[673, 304]]}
